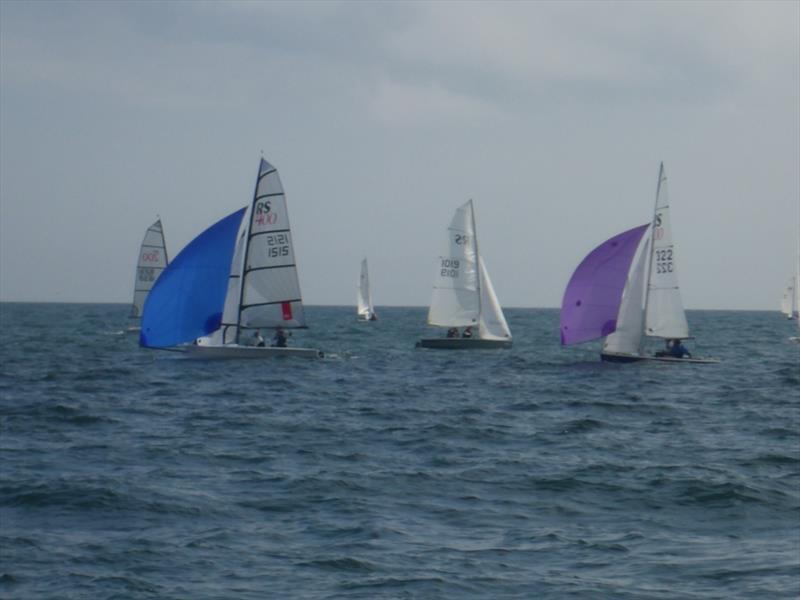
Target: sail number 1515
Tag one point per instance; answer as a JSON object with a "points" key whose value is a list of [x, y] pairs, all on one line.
{"points": [[277, 245]]}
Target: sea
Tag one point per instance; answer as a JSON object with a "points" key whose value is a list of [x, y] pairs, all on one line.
{"points": [[382, 471]]}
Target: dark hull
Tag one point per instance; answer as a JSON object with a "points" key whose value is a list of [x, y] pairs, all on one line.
{"points": [[463, 344], [628, 358]]}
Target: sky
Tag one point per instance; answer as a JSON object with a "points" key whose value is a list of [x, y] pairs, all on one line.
{"points": [[382, 118]]}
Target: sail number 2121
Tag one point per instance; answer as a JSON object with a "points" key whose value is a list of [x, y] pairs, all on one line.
{"points": [[277, 245]]}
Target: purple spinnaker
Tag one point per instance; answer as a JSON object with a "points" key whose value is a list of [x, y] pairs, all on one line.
{"points": [[594, 292]]}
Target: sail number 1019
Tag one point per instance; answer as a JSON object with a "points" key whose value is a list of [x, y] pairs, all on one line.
{"points": [[450, 267], [277, 245]]}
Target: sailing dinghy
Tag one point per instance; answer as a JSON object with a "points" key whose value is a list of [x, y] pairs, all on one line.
{"points": [[152, 261], [789, 300], [463, 295], [626, 290], [243, 268], [795, 303], [364, 307]]}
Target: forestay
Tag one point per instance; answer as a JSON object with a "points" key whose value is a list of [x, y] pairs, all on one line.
{"points": [[664, 314], [152, 261]]}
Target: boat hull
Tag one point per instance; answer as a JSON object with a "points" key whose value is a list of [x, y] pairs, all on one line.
{"points": [[462, 344], [629, 358], [251, 352]]}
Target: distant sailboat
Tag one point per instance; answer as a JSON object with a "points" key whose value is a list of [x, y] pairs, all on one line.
{"points": [[152, 261], [463, 295], [364, 306], [796, 296], [789, 300], [626, 290], [239, 276]]}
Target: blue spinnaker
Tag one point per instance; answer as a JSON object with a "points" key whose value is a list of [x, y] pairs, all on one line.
{"points": [[187, 300]]}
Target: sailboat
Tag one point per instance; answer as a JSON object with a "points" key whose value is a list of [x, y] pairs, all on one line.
{"points": [[626, 290], [463, 295], [795, 308], [789, 300], [152, 261], [238, 277], [364, 306]]}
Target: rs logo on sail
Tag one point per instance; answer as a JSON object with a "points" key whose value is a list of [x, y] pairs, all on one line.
{"points": [[264, 214]]}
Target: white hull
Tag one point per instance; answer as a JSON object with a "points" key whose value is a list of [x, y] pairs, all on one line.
{"points": [[235, 351], [621, 357]]}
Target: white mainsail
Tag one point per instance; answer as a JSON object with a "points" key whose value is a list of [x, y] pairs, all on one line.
{"points": [[627, 338], [365, 309], [152, 260], [456, 301], [664, 314], [269, 287], [263, 287]]}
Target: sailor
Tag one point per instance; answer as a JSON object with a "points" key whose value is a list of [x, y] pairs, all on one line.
{"points": [[257, 339], [678, 350], [452, 332], [279, 339], [467, 332]]}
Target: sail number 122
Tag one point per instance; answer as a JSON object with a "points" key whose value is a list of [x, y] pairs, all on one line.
{"points": [[664, 261]]}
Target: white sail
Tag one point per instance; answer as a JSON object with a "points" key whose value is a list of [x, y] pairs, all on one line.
{"points": [[627, 337], [492, 325], [152, 260], [270, 289], [664, 314], [796, 302], [365, 309], [456, 300], [788, 300]]}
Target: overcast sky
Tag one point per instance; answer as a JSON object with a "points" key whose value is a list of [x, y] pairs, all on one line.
{"points": [[382, 118]]}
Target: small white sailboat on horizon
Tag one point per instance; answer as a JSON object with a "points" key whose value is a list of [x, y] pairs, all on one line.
{"points": [[626, 290], [794, 304], [152, 261], [463, 295], [789, 299], [364, 307], [238, 277]]}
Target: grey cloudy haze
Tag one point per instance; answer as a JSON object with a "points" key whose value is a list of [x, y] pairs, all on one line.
{"points": [[382, 118]]}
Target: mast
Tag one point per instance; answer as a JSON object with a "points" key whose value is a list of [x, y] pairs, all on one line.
{"points": [[243, 267], [650, 258], [477, 258]]}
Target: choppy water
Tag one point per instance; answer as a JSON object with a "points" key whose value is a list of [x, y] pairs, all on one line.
{"points": [[388, 472]]}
